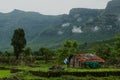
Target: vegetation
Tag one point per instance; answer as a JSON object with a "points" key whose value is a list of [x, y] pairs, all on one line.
{"points": [[45, 58], [27, 62], [46, 53], [18, 41], [69, 48], [51, 31], [5, 73], [28, 76]]}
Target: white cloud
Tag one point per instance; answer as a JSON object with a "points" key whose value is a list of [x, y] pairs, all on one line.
{"points": [[66, 24], [76, 29], [96, 28], [60, 32]]}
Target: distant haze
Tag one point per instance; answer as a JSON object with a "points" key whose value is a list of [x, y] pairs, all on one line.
{"points": [[50, 7]]}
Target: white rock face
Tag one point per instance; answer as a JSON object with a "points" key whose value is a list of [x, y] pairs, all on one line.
{"points": [[76, 29], [66, 24], [96, 28], [60, 32]]}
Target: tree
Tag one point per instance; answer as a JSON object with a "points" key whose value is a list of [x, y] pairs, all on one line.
{"points": [[84, 47], [27, 51], [109, 52], [18, 41], [62, 54], [45, 52], [104, 51], [117, 43], [116, 50], [69, 48], [29, 54]]}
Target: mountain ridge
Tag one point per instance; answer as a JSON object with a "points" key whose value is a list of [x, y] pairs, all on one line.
{"points": [[81, 24]]}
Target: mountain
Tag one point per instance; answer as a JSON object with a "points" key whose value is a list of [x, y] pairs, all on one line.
{"points": [[81, 24], [86, 25], [33, 23], [113, 7]]}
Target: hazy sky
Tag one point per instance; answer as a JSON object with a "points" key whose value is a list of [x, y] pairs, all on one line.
{"points": [[51, 7]]}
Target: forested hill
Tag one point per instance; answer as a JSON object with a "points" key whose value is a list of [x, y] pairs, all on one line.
{"points": [[32, 22], [84, 25]]}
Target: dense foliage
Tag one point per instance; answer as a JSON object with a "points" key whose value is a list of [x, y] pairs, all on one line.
{"points": [[18, 41]]}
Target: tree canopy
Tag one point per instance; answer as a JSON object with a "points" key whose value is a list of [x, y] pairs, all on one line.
{"points": [[18, 41]]}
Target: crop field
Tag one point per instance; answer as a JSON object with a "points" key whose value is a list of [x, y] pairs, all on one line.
{"points": [[25, 72]]}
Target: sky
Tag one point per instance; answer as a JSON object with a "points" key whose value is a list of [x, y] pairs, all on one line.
{"points": [[50, 7]]}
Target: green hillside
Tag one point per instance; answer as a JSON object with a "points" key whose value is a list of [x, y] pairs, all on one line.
{"points": [[81, 24]]}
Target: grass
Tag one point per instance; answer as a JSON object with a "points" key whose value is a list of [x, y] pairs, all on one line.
{"points": [[91, 70], [67, 77], [45, 67], [41, 66], [27, 76], [5, 73], [27, 68]]}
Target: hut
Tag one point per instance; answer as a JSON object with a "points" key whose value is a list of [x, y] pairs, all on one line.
{"points": [[86, 60]]}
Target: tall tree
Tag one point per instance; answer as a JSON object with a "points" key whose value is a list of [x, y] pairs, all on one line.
{"points": [[18, 41]]}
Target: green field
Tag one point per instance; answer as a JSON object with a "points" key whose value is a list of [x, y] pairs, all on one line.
{"points": [[45, 68], [25, 74], [5, 73]]}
